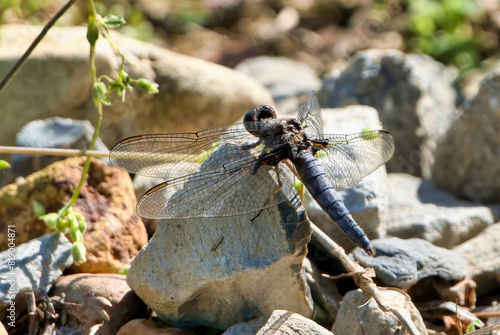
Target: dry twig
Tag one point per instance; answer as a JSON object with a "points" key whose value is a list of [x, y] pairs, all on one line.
{"points": [[363, 279]]}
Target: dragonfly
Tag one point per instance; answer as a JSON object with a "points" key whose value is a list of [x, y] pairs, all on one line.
{"points": [[249, 166]]}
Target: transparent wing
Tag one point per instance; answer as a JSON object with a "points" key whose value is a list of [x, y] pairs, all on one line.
{"points": [[227, 184], [174, 155], [347, 159], [310, 116]]}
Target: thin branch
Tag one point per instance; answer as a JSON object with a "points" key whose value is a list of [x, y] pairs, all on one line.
{"points": [[362, 278], [52, 151], [13, 71]]}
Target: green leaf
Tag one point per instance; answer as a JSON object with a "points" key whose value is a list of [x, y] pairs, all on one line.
{"points": [[38, 208], [76, 235], [50, 220], [476, 324], [101, 93], [92, 31], [147, 85], [113, 21], [298, 186], [320, 154], [4, 165], [126, 267], [79, 253], [82, 224]]}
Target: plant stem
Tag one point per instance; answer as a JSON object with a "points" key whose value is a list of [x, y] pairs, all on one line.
{"points": [[86, 165], [51, 151], [13, 71]]}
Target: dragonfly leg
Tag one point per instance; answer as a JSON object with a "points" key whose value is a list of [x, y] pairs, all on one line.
{"points": [[253, 145], [280, 184]]}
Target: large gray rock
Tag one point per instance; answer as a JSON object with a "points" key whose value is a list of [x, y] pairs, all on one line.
{"points": [[31, 266], [413, 94], [419, 209], [367, 201], [221, 271], [402, 263], [360, 314], [206, 267], [468, 160], [55, 81], [279, 322]]}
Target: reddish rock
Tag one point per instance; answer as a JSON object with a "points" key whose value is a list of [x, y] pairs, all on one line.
{"points": [[114, 233]]}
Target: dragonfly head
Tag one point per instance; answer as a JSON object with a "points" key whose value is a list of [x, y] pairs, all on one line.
{"points": [[256, 115]]}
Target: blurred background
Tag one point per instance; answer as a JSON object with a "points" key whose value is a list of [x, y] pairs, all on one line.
{"points": [[459, 33]]}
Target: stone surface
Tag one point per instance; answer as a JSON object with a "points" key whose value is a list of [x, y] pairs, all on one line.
{"points": [[360, 314], [150, 327], [402, 263], [324, 290], [367, 201], [55, 81], [56, 132], [419, 209], [468, 161], [83, 295], [414, 97], [285, 79], [222, 258], [482, 254], [279, 322], [37, 265], [114, 233], [220, 271]]}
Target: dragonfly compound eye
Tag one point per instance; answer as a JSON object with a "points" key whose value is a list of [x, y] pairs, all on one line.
{"points": [[260, 113], [254, 116]]}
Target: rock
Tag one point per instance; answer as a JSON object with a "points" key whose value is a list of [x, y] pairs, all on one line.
{"points": [[54, 132], [220, 271], [467, 161], [37, 265], [402, 263], [279, 322], [55, 81], [360, 314], [414, 97], [482, 253], [324, 290], [419, 209], [285, 79], [114, 234], [150, 327], [215, 265], [367, 201], [471, 82], [83, 301]]}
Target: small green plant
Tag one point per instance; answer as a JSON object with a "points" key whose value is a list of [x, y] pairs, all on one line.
{"points": [[4, 165], [67, 220], [476, 324], [447, 30]]}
